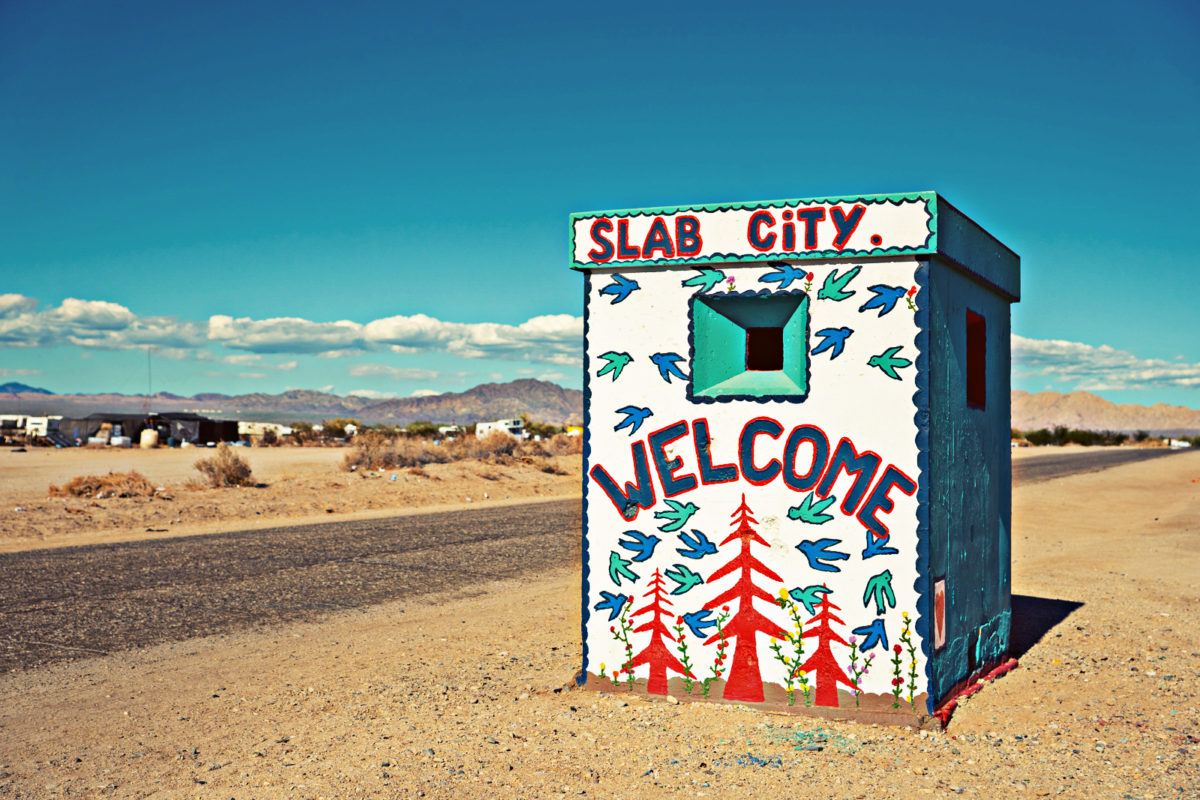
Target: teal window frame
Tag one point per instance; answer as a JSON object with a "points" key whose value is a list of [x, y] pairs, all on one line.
{"points": [[719, 323]]}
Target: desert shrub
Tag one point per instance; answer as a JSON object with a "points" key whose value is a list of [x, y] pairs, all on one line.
{"points": [[423, 428], [226, 468], [492, 445], [548, 466], [1062, 435], [542, 429], [114, 484], [377, 450], [563, 445], [336, 428]]}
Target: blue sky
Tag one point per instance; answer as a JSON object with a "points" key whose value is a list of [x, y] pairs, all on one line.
{"points": [[373, 198]]}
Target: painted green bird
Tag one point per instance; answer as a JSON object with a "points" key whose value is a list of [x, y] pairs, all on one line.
{"points": [[616, 363], [707, 279], [834, 287], [812, 510], [889, 362], [809, 596], [684, 577], [619, 568], [679, 514], [879, 589]]}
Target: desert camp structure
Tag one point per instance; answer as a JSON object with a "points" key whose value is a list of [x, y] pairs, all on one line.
{"points": [[173, 428]]}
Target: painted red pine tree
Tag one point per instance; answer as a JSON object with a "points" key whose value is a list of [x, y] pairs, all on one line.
{"points": [[822, 662], [656, 654], [745, 681]]}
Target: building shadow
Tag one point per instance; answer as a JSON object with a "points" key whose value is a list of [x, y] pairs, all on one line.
{"points": [[1033, 618]]}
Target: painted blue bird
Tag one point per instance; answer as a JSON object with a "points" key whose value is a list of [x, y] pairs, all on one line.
{"points": [[809, 596], [784, 274], [612, 603], [708, 278], [695, 546], [667, 364], [699, 622], [634, 417], [684, 577], [885, 298], [877, 546], [619, 568], [620, 288], [616, 362], [679, 514], [872, 634], [640, 543], [832, 338], [818, 553]]}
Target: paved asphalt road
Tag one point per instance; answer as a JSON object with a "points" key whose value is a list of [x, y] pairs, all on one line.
{"points": [[1075, 460], [79, 601], [75, 602]]}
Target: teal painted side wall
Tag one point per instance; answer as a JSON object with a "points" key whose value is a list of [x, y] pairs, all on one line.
{"points": [[970, 484]]}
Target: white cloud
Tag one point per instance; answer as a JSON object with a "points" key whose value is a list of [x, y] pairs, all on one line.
{"points": [[284, 334], [101, 324], [555, 338], [424, 393], [13, 373], [12, 305], [372, 394], [89, 323], [285, 366], [395, 373], [1095, 369]]}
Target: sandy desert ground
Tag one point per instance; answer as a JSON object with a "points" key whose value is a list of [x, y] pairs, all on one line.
{"points": [[298, 484], [453, 697]]}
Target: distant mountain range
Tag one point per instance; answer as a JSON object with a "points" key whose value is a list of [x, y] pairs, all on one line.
{"points": [[12, 387], [1086, 411], [542, 401], [547, 402]]}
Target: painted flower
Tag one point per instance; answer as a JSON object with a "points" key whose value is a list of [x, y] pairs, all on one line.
{"points": [[809, 277], [897, 650], [912, 291], [783, 593]]}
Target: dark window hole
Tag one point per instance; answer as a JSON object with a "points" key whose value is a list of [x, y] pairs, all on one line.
{"points": [[764, 349]]}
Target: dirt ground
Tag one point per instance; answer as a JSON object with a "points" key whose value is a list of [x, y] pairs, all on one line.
{"points": [[463, 697], [298, 484]]}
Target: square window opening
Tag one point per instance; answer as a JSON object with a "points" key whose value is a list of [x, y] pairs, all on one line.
{"points": [[749, 345], [976, 360], [764, 349]]}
